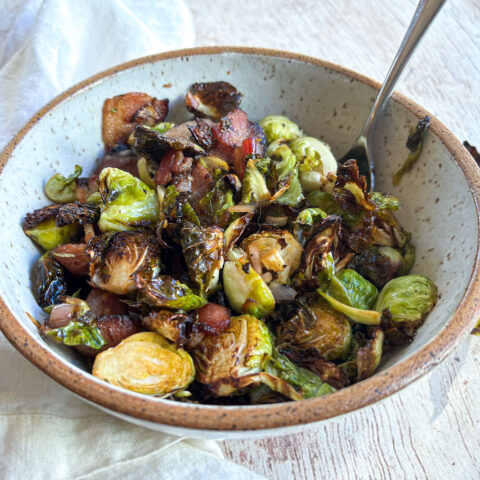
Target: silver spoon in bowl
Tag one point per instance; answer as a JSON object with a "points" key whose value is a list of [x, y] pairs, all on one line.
{"points": [[360, 151]]}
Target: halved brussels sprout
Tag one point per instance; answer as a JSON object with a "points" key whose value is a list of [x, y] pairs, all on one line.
{"points": [[244, 287], [114, 260], [146, 363], [173, 326], [275, 255], [317, 165], [165, 292], [379, 264], [235, 230], [61, 189], [305, 222], [203, 252], [48, 281], [278, 127], [128, 202], [365, 317], [49, 236], [77, 213], [350, 288], [407, 299], [222, 361], [316, 325], [254, 186]]}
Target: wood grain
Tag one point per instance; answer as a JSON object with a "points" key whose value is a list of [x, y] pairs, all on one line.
{"points": [[430, 430]]}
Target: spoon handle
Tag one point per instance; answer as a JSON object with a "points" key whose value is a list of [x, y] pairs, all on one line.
{"points": [[424, 14]]}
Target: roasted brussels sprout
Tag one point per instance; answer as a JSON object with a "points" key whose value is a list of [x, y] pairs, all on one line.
{"points": [[275, 255], [48, 235], [128, 202], [350, 288], [407, 299], [306, 382], [174, 326], [203, 253], [244, 287], [366, 317], [235, 230], [212, 99], [48, 281], [381, 263], [146, 363], [164, 291], [278, 127], [316, 325], [317, 165], [225, 362], [146, 171], [115, 259], [61, 189]]}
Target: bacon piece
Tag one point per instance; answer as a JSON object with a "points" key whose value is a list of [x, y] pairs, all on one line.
{"points": [[122, 113], [213, 319], [126, 161], [85, 187], [103, 303], [73, 257]]}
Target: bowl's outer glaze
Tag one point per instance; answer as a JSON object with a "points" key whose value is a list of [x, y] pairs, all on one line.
{"points": [[439, 207]]}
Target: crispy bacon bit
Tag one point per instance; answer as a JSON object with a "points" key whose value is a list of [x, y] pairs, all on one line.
{"points": [[163, 176], [213, 319], [122, 113], [126, 160], [73, 257], [85, 187]]}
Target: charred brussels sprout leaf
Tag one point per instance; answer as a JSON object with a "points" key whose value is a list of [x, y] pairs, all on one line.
{"points": [[414, 144], [76, 213], [115, 259], [318, 326], [165, 292], [76, 333], [212, 99], [245, 289], [278, 127], [203, 252], [317, 165], [128, 202], [305, 223], [226, 362], [365, 317], [61, 189], [174, 326], [385, 201], [407, 299], [48, 282], [306, 382], [235, 230], [352, 289], [369, 356], [146, 363], [48, 235]]}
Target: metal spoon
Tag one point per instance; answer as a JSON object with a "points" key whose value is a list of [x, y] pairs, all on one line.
{"points": [[360, 151]]}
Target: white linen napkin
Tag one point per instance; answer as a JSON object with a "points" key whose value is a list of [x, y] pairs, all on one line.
{"points": [[45, 432]]}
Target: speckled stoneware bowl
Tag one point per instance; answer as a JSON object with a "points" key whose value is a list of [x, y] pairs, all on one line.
{"points": [[440, 208]]}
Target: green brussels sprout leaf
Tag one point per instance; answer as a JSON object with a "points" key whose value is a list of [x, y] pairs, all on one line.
{"points": [[61, 189], [278, 127], [76, 333]]}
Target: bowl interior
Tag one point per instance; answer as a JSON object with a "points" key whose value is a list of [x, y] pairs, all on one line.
{"points": [[438, 207]]}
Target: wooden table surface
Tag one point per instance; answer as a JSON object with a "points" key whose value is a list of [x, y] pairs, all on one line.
{"points": [[431, 429]]}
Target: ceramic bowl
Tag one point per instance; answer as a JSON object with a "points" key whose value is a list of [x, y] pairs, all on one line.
{"points": [[439, 197]]}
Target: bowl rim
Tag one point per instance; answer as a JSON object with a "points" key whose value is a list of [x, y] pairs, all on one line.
{"points": [[258, 417]]}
